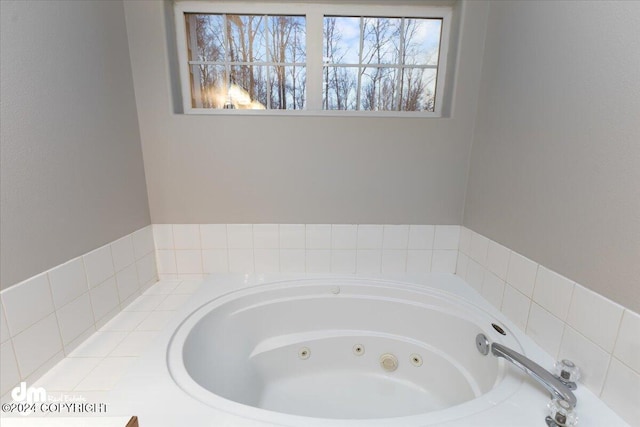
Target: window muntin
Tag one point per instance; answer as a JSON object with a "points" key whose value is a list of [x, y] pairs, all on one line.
{"points": [[246, 61], [397, 98]]}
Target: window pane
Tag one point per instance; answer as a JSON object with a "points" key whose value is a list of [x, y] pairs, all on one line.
{"points": [[205, 36], [340, 88], [246, 38], [287, 88], [418, 89], [381, 41], [287, 36], [379, 89], [421, 41], [370, 63], [341, 40], [429, 82], [248, 88], [208, 86]]}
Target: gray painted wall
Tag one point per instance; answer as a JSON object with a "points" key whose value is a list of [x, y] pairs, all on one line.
{"points": [[71, 164], [215, 169], [555, 170]]}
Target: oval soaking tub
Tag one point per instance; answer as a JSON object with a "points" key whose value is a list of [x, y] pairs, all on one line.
{"points": [[341, 349]]}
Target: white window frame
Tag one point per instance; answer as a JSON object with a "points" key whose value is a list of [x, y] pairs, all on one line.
{"points": [[315, 14]]}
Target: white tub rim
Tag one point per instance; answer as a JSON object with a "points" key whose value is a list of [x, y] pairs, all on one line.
{"points": [[507, 384]]}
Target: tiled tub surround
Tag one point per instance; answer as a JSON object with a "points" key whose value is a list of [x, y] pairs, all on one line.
{"points": [[103, 362], [46, 317], [189, 251], [566, 319]]}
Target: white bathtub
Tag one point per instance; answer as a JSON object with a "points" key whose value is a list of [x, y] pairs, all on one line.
{"points": [[308, 352]]}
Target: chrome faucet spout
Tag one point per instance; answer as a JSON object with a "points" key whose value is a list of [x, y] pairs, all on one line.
{"points": [[537, 372]]}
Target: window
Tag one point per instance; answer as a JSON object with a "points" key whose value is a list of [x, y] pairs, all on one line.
{"points": [[246, 61], [323, 59], [380, 63]]}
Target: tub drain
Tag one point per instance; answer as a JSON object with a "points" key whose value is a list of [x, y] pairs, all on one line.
{"points": [[389, 362]]}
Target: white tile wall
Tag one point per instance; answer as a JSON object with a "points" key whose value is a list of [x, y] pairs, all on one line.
{"points": [[370, 236], [318, 236], [26, 303], [9, 375], [515, 305], [318, 260], [186, 236], [104, 299], [163, 236], [213, 236], [521, 273], [545, 328], [566, 319], [553, 310], [127, 282], [241, 260], [344, 236], [101, 360], [338, 248], [99, 265], [4, 330], [493, 289], [240, 236], [497, 259], [478, 248], [292, 236], [142, 242], [147, 270], [421, 236], [122, 252], [553, 292], [475, 275], [444, 261], [622, 392], [446, 237], [594, 317], [266, 236], [75, 318], [36, 345], [292, 260], [189, 261], [418, 260], [214, 260], [368, 260], [395, 237], [627, 348], [47, 316], [343, 260], [267, 260], [394, 261], [592, 359], [68, 281]]}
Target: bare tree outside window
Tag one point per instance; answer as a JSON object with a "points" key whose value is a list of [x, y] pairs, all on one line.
{"points": [[380, 64], [247, 61], [258, 58]]}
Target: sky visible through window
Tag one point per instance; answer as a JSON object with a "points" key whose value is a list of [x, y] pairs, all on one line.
{"points": [[247, 61], [380, 64]]}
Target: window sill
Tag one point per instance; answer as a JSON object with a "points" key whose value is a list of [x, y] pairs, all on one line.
{"points": [[311, 113]]}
